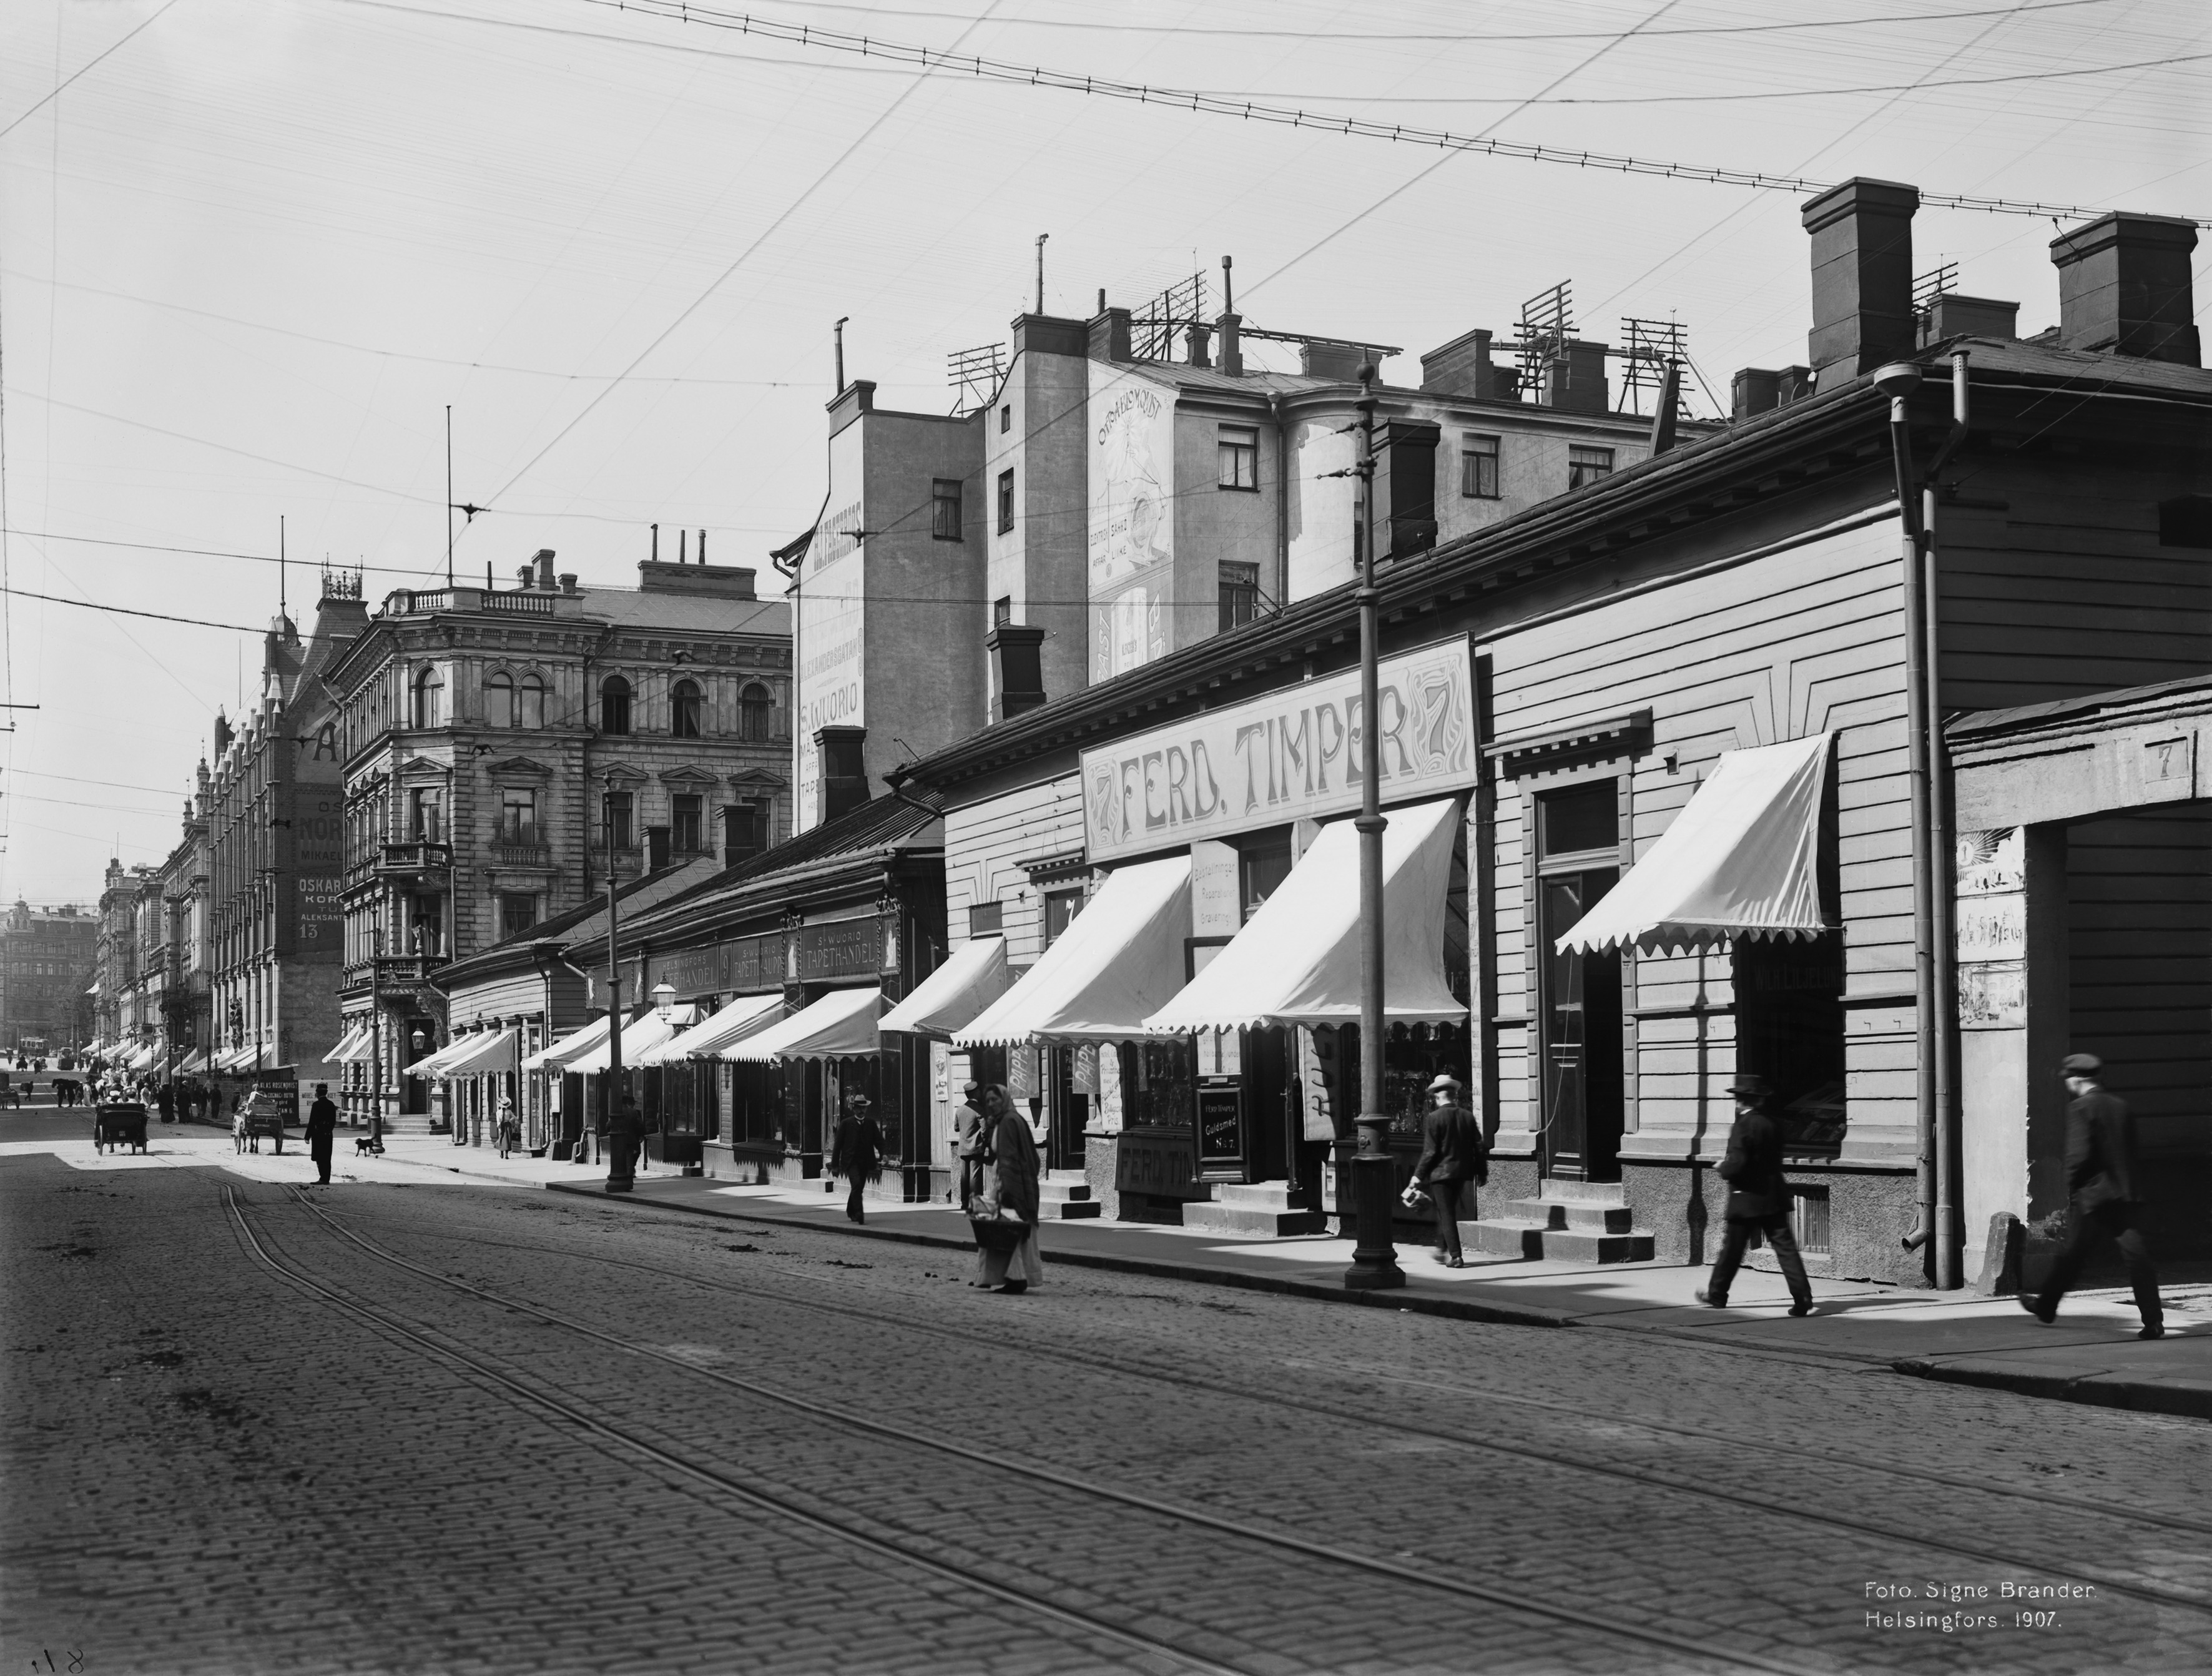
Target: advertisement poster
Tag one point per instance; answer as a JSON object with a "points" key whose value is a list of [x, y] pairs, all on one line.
{"points": [[830, 597], [1132, 534]]}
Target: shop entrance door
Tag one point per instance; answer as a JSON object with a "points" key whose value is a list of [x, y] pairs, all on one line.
{"points": [[1066, 1111], [1580, 1045]]}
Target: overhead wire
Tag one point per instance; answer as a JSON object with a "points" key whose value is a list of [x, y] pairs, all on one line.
{"points": [[54, 92]]}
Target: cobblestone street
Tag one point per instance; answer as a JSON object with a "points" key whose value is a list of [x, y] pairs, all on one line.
{"points": [[257, 1427]]}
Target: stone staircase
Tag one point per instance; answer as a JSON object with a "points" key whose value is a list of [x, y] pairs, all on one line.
{"points": [[1250, 1208], [1065, 1195], [1577, 1222]]}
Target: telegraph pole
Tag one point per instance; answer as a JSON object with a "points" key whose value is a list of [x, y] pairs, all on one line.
{"points": [[1371, 1184]]}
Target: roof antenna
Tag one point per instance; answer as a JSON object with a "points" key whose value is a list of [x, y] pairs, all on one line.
{"points": [[840, 330], [1042, 237], [449, 494], [281, 609]]}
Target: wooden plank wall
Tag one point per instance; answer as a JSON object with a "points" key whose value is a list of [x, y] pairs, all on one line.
{"points": [[986, 845], [1790, 643]]}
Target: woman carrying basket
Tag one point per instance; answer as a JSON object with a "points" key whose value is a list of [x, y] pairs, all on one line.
{"points": [[1005, 1212]]}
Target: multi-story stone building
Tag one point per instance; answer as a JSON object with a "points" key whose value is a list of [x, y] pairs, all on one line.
{"points": [[115, 955], [45, 968], [274, 819], [504, 748]]}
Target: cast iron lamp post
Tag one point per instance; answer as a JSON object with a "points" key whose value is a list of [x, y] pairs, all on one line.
{"points": [[611, 1095], [1374, 1260]]}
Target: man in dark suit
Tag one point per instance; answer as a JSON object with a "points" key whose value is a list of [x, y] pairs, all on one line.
{"points": [[1454, 1152], [1758, 1198], [2105, 1182], [322, 1131]]}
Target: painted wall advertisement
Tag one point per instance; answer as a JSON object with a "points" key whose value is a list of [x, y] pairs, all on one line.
{"points": [[1132, 534], [318, 863], [830, 619], [1292, 755]]}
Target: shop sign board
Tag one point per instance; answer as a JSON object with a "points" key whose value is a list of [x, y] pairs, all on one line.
{"points": [[840, 948], [1292, 755], [1221, 1125], [1158, 1162]]}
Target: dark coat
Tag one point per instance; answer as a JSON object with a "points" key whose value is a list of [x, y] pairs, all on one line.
{"points": [[857, 1151], [1453, 1146], [1753, 1169], [1014, 1153], [2101, 1151], [322, 1123]]}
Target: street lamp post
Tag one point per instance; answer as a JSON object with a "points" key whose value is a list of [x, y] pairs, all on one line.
{"points": [[1374, 1259], [608, 1095]]}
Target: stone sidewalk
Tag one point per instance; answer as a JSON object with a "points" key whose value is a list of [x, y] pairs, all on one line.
{"points": [[2091, 1355]]}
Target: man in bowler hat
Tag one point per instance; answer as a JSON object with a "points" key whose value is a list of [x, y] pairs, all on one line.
{"points": [[1758, 1198], [2105, 1182], [1454, 1152]]}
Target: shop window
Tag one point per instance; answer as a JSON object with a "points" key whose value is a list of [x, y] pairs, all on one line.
{"points": [[1061, 908], [1477, 467], [1586, 465], [685, 825], [686, 711], [945, 509], [1005, 502], [756, 712], [1809, 1219], [1789, 1030], [1239, 451], [1159, 1082], [1240, 594], [518, 815], [1260, 870], [518, 912], [614, 705]]}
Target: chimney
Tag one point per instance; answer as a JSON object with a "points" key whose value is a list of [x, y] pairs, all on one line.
{"points": [[1862, 278], [1752, 391], [1950, 315], [1049, 335], [569, 581], [2124, 288], [728, 581], [1109, 334], [1017, 669], [1574, 378], [1665, 415], [1318, 358], [1463, 368], [1196, 337], [1232, 326], [1406, 486], [844, 769], [526, 577], [544, 561]]}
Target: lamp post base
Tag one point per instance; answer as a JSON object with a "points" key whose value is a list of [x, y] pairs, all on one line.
{"points": [[1374, 1259]]}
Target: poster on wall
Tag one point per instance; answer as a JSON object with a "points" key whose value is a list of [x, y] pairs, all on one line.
{"points": [[1132, 520], [830, 623], [318, 839]]}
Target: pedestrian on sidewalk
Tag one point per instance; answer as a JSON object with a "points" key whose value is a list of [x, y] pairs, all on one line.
{"points": [[2106, 1183], [968, 1131], [1454, 1152], [856, 1153], [1011, 1176], [510, 1126], [1758, 1198], [625, 1131], [322, 1131]]}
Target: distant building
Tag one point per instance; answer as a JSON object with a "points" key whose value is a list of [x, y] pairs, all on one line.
{"points": [[503, 749], [45, 969]]}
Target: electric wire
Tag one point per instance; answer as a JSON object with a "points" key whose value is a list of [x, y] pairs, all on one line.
{"points": [[24, 115]]}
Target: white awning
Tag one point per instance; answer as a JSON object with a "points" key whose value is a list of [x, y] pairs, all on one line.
{"points": [[704, 1040], [840, 1026], [194, 1065], [1297, 960], [555, 1056], [638, 1035], [431, 1063], [143, 1059], [359, 1042], [1118, 961], [948, 999], [1740, 861], [480, 1055]]}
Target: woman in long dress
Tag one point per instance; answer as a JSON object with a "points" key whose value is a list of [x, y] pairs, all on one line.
{"points": [[1010, 1182]]}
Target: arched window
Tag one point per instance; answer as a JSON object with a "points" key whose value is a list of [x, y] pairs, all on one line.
{"points": [[530, 703], [755, 711], [499, 699], [685, 710], [429, 699], [614, 705]]}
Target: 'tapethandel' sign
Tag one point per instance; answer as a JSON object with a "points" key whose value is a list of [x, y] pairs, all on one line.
{"points": [[1291, 754]]}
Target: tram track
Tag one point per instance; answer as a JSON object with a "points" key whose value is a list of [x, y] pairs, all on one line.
{"points": [[2042, 1500], [1703, 1654]]}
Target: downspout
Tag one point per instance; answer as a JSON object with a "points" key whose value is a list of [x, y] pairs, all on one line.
{"points": [[1898, 381], [897, 778], [1282, 498], [1941, 845]]}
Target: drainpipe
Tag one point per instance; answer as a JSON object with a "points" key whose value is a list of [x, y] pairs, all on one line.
{"points": [[1898, 381], [897, 778], [1942, 847], [1282, 499]]}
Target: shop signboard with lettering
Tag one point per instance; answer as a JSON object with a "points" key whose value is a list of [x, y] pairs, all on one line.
{"points": [[1220, 1126], [830, 593], [842, 948], [1292, 755]]}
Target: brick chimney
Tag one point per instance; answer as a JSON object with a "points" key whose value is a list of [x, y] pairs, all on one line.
{"points": [[2124, 288], [1463, 368], [1017, 669], [1406, 486], [1574, 378], [1109, 334], [1862, 278]]}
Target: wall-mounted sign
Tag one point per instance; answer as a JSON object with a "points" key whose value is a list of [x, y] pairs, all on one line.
{"points": [[1293, 754], [1132, 534], [843, 948], [831, 621]]}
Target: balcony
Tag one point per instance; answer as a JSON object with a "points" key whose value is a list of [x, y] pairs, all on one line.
{"points": [[521, 854], [396, 976], [417, 861]]}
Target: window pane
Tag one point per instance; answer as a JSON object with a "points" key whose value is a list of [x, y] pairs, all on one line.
{"points": [[944, 512], [685, 708], [1005, 502], [499, 701], [1477, 467], [1579, 818], [530, 703]]}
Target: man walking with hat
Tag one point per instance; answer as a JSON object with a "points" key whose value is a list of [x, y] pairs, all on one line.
{"points": [[1758, 1198], [2104, 1181], [857, 1154], [1454, 1152]]}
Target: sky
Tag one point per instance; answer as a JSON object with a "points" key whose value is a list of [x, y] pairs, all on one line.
{"points": [[252, 251]]}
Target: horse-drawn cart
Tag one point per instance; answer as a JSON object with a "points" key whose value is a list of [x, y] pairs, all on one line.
{"points": [[263, 1114], [119, 1124]]}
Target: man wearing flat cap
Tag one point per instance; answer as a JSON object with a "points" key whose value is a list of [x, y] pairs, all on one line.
{"points": [[2106, 1183], [1758, 1198], [1454, 1152]]}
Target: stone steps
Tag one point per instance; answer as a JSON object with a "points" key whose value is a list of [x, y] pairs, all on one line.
{"points": [[1575, 1222], [1262, 1207], [1065, 1195]]}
